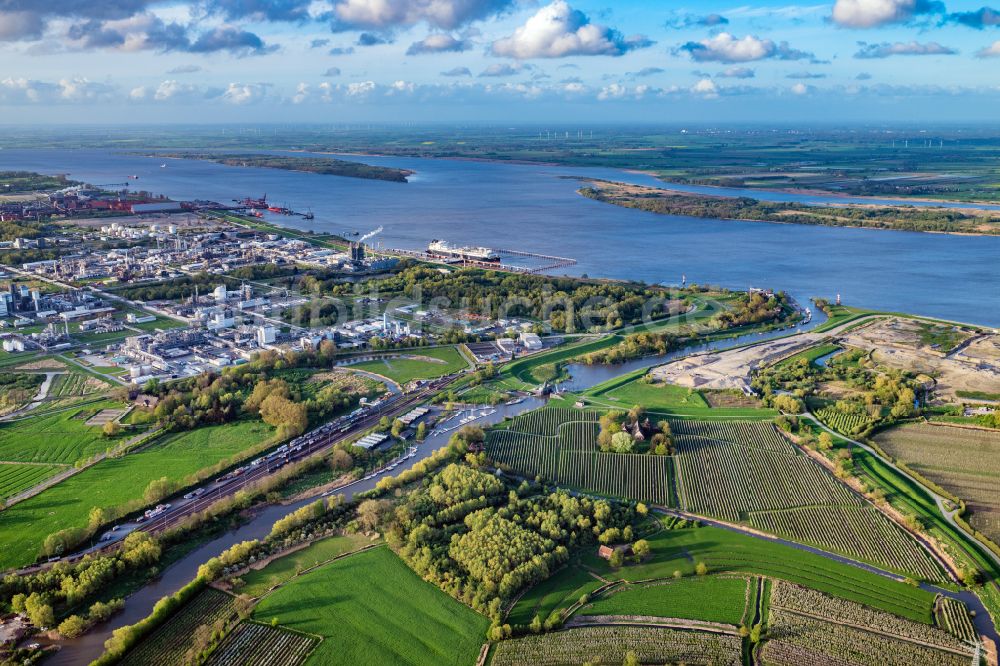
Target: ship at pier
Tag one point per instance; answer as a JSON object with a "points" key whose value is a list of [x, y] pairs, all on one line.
{"points": [[442, 250]]}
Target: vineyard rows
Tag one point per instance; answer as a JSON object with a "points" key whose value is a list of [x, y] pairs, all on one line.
{"points": [[761, 434], [728, 480], [252, 644], [167, 645], [633, 475], [847, 424], [795, 639], [579, 436], [570, 457], [799, 599], [609, 645], [745, 472], [859, 531], [531, 455], [70, 384], [547, 421], [953, 617]]}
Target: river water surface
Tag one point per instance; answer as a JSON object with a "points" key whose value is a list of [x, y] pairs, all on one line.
{"points": [[536, 208]]}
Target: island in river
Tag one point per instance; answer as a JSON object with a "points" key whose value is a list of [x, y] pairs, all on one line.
{"points": [[327, 166], [900, 218]]}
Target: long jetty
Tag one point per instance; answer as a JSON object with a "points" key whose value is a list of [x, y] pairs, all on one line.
{"points": [[551, 262]]}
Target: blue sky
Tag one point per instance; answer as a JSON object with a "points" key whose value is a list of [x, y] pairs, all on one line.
{"points": [[127, 61]]}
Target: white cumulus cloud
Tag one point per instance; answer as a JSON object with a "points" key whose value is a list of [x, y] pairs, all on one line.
{"points": [[438, 43], [992, 51], [706, 88], [875, 13], [444, 14], [557, 30], [727, 48], [244, 93]]}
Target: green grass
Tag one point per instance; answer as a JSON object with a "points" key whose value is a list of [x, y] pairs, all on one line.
{"points": [[667, 399], [112, 482], [978, 395], [724, 550], [941, 336], [810, 354], [561, 590], [403, 370], [61, 437], [161, 323], [371, 609], [284, 569], [841, 314], [708, 598], [17, 477]]}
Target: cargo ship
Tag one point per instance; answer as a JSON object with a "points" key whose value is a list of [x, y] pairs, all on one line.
{"points": [[443, 250]]}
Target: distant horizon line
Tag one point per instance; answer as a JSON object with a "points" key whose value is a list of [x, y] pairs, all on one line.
{"points": [[512, 125]]}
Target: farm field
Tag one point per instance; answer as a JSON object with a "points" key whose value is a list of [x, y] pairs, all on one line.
{"points": [[416, 364], [963, 461], [745, 472], [115, 481], [285, 568], [169, 643], [806, 627], [561, 444], [609, 645], [376, 610], [845, 424], [60, 437], [560, 590], [728, 551], [710, 598], [953, 616], [75, 383], [908, 495], [261, 645], [15, 477]]}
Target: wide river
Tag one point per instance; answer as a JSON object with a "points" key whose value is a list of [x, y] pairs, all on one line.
{"points": [[536, 208]]}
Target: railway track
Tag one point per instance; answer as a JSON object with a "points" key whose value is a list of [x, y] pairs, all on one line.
{"points": [[222, 487]]}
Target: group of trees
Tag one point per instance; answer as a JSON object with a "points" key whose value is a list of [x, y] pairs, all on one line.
{"points": [[635, 345], [258, 388], [482, 540], [184, 287], [632, 432], [17, 389], [49, 594], [321, 165], [566, 304], [745, 208], [753, 308], [876, 394]]}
